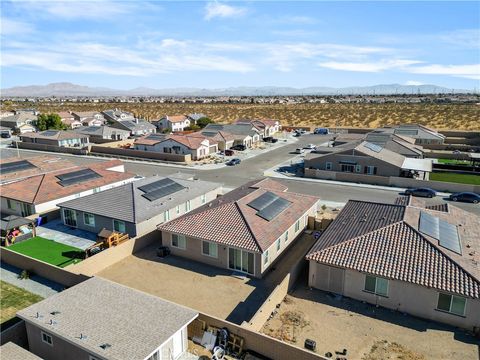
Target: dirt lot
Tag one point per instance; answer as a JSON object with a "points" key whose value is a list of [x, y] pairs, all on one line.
{"points": [[368, 333], [440, 116], [201, 287]]}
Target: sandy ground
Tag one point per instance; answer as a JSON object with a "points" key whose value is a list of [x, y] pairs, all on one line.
{"points": [[368, 333]]}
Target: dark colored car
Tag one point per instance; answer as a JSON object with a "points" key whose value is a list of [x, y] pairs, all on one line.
{"points": [[270, 139], [5, 135], [297, 134], [228, 152], [465, 197], [239, 147], [233, 162], [423, 192]]}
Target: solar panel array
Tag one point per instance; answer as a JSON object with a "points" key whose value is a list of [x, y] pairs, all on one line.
{"points": [[76, 177], [49, 133], [16, 166], [160, 189], [269, 205], [444, 232], [374, 147]]}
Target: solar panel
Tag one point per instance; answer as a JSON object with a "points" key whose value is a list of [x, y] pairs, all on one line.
{"points": [[275, 208], [374, 147], [263, 201], [76, 177], [444, 232], [49, 133], [16, 166], [160, 188]]}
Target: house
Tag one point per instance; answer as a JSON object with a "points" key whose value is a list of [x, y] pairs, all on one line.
{"points": [[266, 127], [245, 230], [69, 119], [12, 351], [244, 134], [222, 138], [369, 159], [89, 118], [418, 259], [198, 147], [34, 112], [96, 133], [422, 134], [15, 168], [174, 123], [100, 319], [115, 115], [138, 207], [194, 117], [39, 194], [20, 123], [65, 115], [4, 114], [127, 121], [56, 138]]}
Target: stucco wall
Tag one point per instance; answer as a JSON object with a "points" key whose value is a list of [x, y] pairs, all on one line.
{"points": [[402, 296], [140, 154]]}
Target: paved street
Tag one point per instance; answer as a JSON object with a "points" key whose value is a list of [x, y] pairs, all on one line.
{"points": [[254, 168]]}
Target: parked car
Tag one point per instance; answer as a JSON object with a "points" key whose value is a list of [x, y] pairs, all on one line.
{"points": [[465, 197], [422, 192], [233, 162], [321, 131], [457, 152], [297, 134], [270, 139], [300, 151], [309, 146], [228, 152], [239, 147], [5, 135]]}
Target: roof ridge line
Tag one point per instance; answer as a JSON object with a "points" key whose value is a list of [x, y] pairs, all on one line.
{"points": [[38, 189], [442, 252], [133, 202], [248, 227]]}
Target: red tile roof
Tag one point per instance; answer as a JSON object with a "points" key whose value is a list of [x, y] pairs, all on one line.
{"points": [[384, 240], [45, 187], [177, 118], [230, 221]]}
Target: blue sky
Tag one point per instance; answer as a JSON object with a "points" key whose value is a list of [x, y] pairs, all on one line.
{"points": [[128, 44]]}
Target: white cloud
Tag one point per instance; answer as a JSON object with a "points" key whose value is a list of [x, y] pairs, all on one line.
{"points": [[14, 27], [464, 71], [377, 66], [414, 83], [216, 9], [468, 38]]}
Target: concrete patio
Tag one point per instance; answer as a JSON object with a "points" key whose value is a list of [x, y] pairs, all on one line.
{"points": [[57, 231]]}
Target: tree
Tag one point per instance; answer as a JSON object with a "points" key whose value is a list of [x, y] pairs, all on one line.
{"points": [[50, 121], [202, 122]]}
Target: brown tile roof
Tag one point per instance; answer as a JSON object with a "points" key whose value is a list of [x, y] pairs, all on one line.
{"points": [[384, 240], [230, 221], [192, 142], [177, 118], [65, 114], [43, 164], [45, 187]]}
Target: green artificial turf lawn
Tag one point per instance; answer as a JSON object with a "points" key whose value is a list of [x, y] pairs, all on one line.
{"points": [[456, 178], [13, 299], [454, 161], [48, 251]]}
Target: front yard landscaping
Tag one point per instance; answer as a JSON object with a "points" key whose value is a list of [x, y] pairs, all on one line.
{"points": [[455, 178], [48, 251], [13, 299]]}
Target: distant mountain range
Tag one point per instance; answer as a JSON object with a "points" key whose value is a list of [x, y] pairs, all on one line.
{"points": [[69, 89]]}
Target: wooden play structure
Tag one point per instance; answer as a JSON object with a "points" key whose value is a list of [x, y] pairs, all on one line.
{"points": [[105, 239]]}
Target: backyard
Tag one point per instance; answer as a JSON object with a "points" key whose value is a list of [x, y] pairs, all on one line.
{"points": [[364, 331], [455, 178], [13, 299], [48, 251]]}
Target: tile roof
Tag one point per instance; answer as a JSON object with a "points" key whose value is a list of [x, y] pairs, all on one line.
{"points": [[134, 323], [100, 130], [384, 240], [176, 118], [42, 188], [383, 155], [54, 134], [12, 351], [126, 202], [191, 141], [229, 220]]}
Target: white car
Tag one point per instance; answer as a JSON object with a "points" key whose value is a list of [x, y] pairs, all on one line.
{"points": [[310, 146], [300, 151]]}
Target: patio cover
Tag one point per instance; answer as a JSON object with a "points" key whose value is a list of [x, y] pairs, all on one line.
{"points": [[13, 221], [417, 164]]}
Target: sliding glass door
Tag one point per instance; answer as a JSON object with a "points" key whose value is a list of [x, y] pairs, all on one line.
{"points": [[70, 217], [241, 260]]}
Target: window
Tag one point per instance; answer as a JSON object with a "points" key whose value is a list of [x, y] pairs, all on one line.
{"points": [[452, 304], [279, 245], [70, 217], [188, 206], [328, 166], [286, 236], [47, 339], [297, 225], [10, 204], [97, 189], [203, 198], [209, 249], [371, 170], [265, 258], [179, 241], [89, 219], [177, 209], [376, 285], [347, 168], [166, 215], [119, 226]]}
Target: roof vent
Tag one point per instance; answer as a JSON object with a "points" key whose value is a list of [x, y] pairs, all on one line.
{"points": [[55, 312], [105, 346], [82, 337]]}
